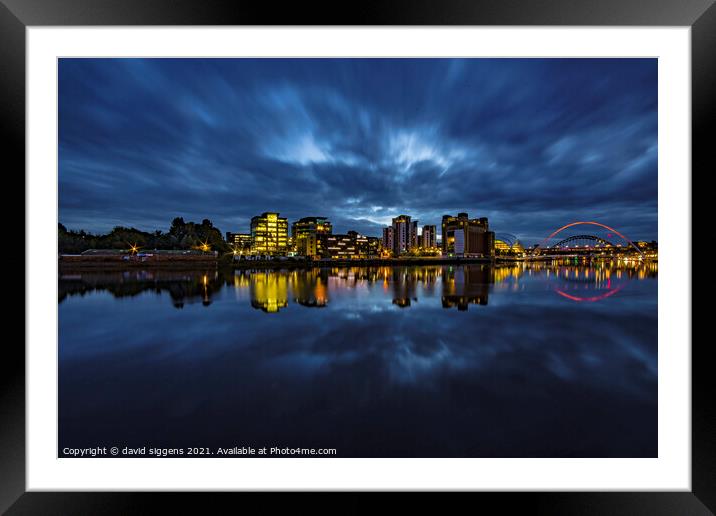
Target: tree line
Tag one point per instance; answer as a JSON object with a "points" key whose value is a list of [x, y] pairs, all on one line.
{"points": [[181, 235]]}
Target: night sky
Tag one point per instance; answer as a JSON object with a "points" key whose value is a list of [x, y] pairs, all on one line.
{"points": [[532, 144]]}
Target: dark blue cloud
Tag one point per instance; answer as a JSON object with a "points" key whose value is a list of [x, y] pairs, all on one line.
{"points": [[530, 143]]}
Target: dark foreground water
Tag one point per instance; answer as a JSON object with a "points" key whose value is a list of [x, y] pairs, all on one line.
{"points": [[431, 361]]}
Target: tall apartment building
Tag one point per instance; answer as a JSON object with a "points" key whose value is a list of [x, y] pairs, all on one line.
{"points": [[388, 238], [414, 237], [405, 234], [429, 237]]}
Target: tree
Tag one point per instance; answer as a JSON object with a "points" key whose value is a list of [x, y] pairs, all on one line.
{"points": [[181, 235], [177, 226]]}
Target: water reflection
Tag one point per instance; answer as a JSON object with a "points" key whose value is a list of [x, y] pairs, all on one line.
{"points": [[269, 290], [183, 287], [433, 361], [465, 285], [457, 286]]}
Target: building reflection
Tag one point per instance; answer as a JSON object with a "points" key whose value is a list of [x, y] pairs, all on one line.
{"points": [[463, 286], [403, 285], [269, 290], [310, 287], [406, 281], [508, 273], [455, 286]]}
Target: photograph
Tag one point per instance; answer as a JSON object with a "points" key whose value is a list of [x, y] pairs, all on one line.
{"points": [[294, 257]]}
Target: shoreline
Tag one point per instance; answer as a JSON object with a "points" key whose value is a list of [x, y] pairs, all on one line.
{"points": [[113, 264], [101, 263], [370, 262]]}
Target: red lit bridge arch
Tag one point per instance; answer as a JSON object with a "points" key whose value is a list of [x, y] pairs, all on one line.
{"points": [[590, 223]]}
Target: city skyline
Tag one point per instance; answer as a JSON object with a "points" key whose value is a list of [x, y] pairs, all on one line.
{"points": [[531, 144]]}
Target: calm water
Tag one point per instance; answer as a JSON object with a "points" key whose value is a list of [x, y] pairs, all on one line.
{"points": [[449, 361]]}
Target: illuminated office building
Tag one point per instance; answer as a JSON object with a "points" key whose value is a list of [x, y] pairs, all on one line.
{"points": [[365, 246], [309, 236], [361, 244], [352, 246], [269, 234], [341, 247], [462, 236], [240, 242]]}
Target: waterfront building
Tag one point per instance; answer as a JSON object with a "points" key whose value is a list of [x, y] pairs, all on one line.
{"points": [[405, 234], [503, 247], [291, 245], [309, 236], [647, 246], [428, 239], [240, 242], [374, 247], [351, 246], [269, 234], [341, 247], [414, 237], [387, 240], [361, 244], [465, 237]]}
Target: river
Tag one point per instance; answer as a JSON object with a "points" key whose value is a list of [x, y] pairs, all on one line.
{"points": [[527, 360]]}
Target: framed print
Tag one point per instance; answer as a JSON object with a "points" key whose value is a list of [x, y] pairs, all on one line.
{"points": [[415, 250]]}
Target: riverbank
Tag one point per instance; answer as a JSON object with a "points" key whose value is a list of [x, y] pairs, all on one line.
{"points": [[124, 262], [74, 262], [372, 262]]}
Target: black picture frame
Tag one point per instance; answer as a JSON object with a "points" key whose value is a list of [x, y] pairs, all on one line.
{"points": [[17, 15]]}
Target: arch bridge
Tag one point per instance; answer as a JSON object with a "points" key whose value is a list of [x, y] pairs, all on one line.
{"points": [[582, 241], [599, 243]]}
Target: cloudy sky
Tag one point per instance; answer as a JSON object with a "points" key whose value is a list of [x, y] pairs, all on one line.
{"points": [[532, 144]]}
